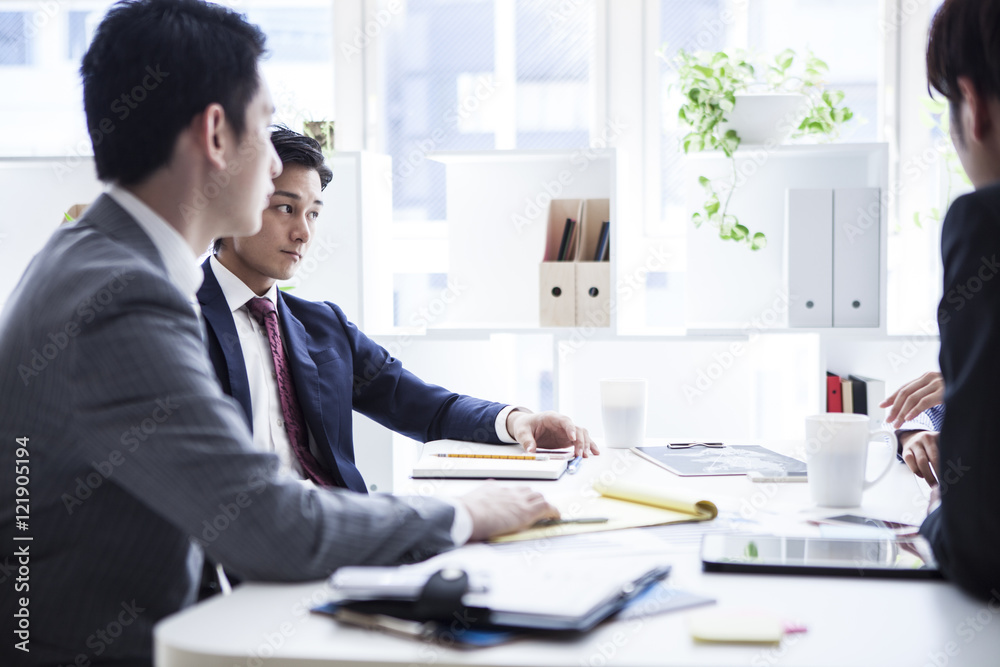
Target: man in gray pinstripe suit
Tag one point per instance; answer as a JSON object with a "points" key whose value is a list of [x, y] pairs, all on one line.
{"points": [[128, 461]]}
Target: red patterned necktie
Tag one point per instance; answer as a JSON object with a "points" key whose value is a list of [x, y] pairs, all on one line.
{"points": [[264, 312]]}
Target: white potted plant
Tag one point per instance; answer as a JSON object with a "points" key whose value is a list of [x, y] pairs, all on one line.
{"points": [[728, 103]]}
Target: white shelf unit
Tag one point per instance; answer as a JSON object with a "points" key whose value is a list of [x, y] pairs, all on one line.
{"points": [[497, 213], [729, 285]]}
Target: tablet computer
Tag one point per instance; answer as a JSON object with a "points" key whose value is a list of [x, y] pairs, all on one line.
{"points": [[885, 557]]}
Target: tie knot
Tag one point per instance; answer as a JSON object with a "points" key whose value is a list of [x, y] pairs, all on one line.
{"points": [[260, 308]]}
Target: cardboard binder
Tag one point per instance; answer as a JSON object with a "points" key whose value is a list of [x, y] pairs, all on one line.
{"points": [[593, 278], [557, 294]]}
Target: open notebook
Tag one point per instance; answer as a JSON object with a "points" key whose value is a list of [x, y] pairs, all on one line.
{"points": [[452, 468], [626, 505], [491, 466]]}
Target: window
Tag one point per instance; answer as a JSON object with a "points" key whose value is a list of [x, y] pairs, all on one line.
{"points": [[41, 49], [474, 75], [299, 63], [480, 75], [14, 41], [40, 55], [928, 179]]}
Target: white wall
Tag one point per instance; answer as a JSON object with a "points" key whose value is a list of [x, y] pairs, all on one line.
{"points": [[35, 193]]}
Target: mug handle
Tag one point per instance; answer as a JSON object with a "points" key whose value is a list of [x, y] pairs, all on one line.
{"points": [[892, 456]]}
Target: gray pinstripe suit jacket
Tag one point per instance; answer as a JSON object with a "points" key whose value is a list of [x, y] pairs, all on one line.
{"points": [[138, 461]]}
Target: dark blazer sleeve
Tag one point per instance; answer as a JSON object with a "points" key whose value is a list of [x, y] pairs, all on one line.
{"points": [[965, 529], [396, 398]]}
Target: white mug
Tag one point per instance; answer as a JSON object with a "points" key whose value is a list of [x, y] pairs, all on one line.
{"points": [[623, 406], [837, 455]]}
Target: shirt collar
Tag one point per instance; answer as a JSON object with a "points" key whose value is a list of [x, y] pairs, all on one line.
{"points": [[178, 258], [235, 290]]}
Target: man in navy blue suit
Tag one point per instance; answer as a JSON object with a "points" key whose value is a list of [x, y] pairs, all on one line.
{"points": [[298, 368]]}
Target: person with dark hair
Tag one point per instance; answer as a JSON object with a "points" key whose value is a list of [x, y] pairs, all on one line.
{"points": [[296, 149], [963, 526], [130, 462], [334, 367]]}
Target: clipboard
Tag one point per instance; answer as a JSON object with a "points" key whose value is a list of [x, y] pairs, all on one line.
{"points": [[702, 460], [445, 596], [658, 598]]}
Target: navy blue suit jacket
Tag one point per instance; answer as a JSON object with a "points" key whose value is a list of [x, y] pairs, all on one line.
{"points": [[336, 369], [965, 529]]}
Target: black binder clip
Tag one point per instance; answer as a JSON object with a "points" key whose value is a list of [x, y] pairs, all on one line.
{"points": [[438, 600], [442, 595]]}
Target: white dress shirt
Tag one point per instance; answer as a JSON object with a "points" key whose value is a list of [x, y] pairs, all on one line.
{"points": [[269, 432], [178, 258]]}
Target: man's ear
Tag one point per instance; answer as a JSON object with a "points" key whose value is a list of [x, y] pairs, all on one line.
{"points": [[975, 112], [210, 129]]}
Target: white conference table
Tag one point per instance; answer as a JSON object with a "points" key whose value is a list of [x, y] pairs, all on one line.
{"points": [[850, 621]]}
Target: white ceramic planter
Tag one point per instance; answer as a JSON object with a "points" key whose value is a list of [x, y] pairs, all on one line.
{"points": [[761, 118]]}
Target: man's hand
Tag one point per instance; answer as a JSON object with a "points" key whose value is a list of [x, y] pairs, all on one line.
{"points": [[499, 510], [549, 430], [913, 398], [920, 452], [934, 501]]}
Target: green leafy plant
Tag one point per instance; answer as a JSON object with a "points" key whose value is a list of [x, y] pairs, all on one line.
{"points": [[825, 115], [323, 132], [709, 83]]}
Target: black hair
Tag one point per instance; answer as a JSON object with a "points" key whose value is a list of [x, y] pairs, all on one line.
{"points": [[152, 67], [295, 148], [964, 40]]}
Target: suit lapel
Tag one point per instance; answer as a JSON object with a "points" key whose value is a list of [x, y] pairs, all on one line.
{"points": [[304, 370], [219, 319], [305, 374]]}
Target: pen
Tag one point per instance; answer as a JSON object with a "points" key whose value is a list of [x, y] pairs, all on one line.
{"points": [[933, 472], [392, 625], [574, 466], [516, 457], [559, 522]]}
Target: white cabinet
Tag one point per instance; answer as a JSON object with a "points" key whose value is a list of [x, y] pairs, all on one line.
{"points": [[728, 285]]}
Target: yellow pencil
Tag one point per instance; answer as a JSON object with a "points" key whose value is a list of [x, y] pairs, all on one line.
{"points": [[517, 457]]}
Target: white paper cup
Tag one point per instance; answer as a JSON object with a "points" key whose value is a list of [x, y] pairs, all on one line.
{"points": [[623, 407]]}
